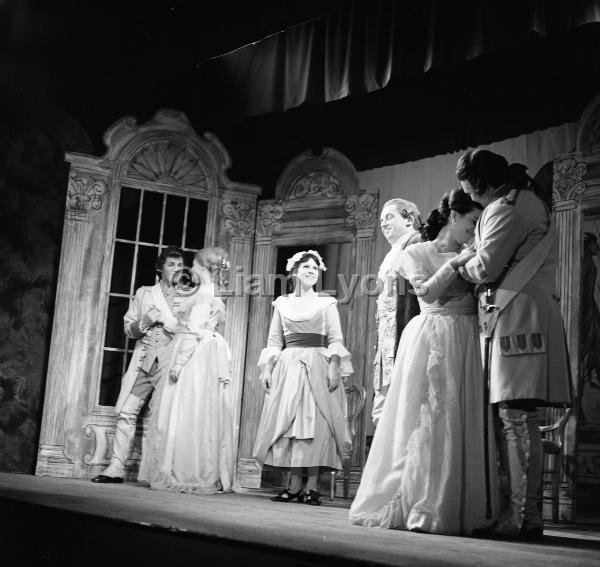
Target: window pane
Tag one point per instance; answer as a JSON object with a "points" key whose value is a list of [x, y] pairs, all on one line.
{"points": [[145, 272], [122, 267], [129, 354], [151, 216], [188, 258], [196, 224], [110, 380], [117, 307], [128, 213], [174, 220]]}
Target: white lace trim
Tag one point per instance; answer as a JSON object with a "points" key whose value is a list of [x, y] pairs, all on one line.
{"points": [[345, 362], [268, 355]]}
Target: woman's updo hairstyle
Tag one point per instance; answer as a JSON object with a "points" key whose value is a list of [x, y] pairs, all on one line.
{"points": [[456, 200], [215, 259], [519, 175]]}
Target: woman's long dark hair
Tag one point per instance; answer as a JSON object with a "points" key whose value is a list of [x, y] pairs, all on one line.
{"points": [[455, 200]]}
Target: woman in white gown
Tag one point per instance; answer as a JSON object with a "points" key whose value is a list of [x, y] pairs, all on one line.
{"points": [[425, 469], [190, 441], [303, 426]]}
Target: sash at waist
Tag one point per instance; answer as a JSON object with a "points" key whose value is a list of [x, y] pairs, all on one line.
{"points": [[464, 310], [305, 340]]}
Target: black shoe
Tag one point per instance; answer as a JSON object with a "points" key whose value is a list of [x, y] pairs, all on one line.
{"points": [[103, 479], [287, 496], [313, 498], [418, 531]]}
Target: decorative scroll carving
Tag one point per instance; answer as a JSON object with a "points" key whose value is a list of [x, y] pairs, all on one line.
{"points": [[362, 209], [98, 445], [269, 216], [568, 176], [84, 193], [315, 184], [239, 219], [327, 175], [168, 162], [165, 121]]}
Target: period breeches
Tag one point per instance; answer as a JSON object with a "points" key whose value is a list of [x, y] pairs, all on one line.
{"points": [[127, 419]]}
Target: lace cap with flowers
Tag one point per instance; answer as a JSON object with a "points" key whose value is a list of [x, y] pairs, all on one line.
{"points": [[291, 262]]}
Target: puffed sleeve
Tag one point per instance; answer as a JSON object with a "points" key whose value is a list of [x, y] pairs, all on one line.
{"points": [[200, 315], [408, 263], [501, 233], [270, 354], [217, 314], [335, 340], [133, 317], [412, 264], [188, 337], [437, 284]]}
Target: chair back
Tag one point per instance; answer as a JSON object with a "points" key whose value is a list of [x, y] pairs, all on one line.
{"points": [[553, 435], [555, 432], [355, 397]]}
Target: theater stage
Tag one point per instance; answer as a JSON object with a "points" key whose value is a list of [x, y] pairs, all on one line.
{"points": [[58, 521]]}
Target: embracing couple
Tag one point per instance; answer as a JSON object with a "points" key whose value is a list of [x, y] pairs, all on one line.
{"points": [[181, 363], [462, 364]]}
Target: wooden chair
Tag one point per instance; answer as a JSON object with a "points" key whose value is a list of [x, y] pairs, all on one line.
{"points": [[356, 397], [553, 446]]}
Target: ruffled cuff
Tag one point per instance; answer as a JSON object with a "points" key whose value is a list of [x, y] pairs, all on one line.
{"points": [[268, 355], [345, 363], [134, 330]]}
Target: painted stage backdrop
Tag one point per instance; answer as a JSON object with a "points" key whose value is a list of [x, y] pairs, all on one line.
{"points": [[588, 457], [34, 135]]}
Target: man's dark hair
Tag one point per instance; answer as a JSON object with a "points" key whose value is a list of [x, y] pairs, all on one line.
{"points": [[483, 169], [168, 252]]}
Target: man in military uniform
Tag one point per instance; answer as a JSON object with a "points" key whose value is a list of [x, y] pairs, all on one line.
{"points": [[514, 261], [400, 221], [150, 321]]}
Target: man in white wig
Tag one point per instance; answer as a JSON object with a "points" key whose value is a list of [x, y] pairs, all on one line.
{"points": [[400, 222], [150, 321]]}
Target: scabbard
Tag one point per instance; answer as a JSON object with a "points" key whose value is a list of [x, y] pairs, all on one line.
{"points": [[486, 445]]}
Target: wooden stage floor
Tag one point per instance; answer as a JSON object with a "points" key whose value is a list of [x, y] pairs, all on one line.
{"points": [[58, 521]]}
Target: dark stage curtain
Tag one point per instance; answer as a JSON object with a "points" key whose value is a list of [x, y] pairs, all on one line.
{"points": [[365, 44]]}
